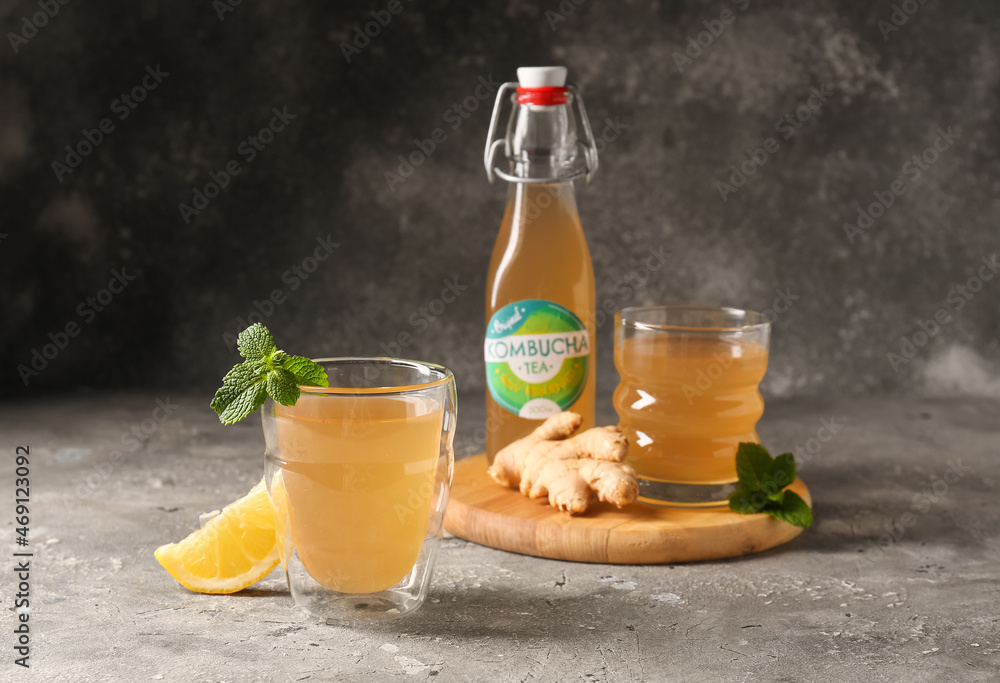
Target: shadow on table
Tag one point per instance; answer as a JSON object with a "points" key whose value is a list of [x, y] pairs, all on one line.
{"points": [[494, 614], [873, 504], [262, 593]]}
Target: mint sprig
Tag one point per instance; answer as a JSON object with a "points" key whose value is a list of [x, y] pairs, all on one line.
{"points": [[265, 371], [762, 486]]}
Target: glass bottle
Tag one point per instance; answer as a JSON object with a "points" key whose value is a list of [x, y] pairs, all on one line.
{"points": [[539, 346]]}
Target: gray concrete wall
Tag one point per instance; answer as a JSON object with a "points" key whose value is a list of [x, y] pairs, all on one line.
{"points": [[676, 123]]}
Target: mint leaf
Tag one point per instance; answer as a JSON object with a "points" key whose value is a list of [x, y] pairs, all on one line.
{"points": [[237, 382], [763, 481], [776, 497], [255, 342], [793, 510], [746, 503], [783, 470], [265, 372], [753, 466], [282, 387], [249, 401], [306, 372], [242, 392]]}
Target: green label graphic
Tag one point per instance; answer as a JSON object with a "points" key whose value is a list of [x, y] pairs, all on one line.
{"points": [[537, 356]]}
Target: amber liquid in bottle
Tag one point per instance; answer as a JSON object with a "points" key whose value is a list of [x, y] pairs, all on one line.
{"points": [[540, 253]]}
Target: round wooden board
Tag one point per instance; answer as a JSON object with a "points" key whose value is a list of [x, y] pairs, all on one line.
{"points": [[484, 512]]}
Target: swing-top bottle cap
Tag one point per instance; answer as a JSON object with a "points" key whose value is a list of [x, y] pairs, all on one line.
{"points": [[541, 145], [541, 76], [542, 85]]}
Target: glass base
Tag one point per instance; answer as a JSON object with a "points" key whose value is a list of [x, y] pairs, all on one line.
{"points": [[342, 609], [674, 494], [354, 609]]}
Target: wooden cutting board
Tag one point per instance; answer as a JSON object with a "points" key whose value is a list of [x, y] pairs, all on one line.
{"points": [[484, 512]]}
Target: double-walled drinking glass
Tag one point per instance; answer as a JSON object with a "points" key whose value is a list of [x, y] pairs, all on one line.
{"points": [[359, 474], [688, 396]]}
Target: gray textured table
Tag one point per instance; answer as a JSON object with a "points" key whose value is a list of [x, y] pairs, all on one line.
{"points": [[899, 579]]}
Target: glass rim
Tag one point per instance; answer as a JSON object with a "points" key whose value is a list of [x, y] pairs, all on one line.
{"points": [[446, 376], [629, 316]]}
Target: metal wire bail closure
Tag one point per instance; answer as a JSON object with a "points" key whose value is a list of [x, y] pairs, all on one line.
{"points": [[588, 144]]}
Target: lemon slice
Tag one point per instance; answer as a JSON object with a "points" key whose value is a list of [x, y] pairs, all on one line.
{"points": [[282, 519], [233, 550]]}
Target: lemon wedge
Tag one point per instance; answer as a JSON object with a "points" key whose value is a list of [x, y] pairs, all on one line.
{"points": [[233, 550]]}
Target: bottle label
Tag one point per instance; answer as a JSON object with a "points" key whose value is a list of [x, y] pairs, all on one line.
{"points": [[537, 357]]}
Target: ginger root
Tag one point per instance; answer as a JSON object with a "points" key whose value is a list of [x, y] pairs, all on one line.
{"points": [[570, 469]]}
